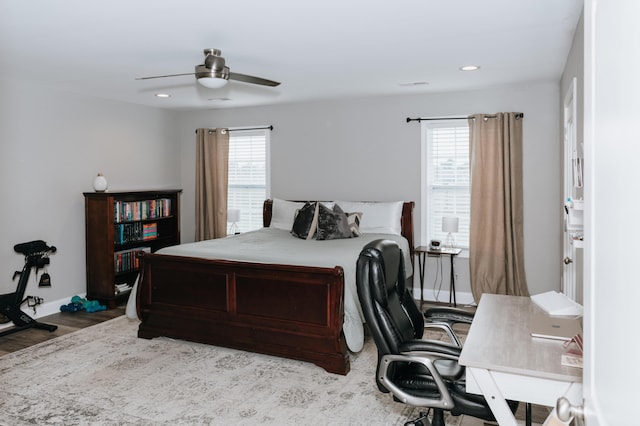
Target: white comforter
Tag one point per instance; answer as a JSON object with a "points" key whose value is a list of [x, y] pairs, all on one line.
{"points": [[270, 245]]}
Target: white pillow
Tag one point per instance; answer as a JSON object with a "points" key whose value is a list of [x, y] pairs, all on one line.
{"points": [[377, 217], [282, 213]]}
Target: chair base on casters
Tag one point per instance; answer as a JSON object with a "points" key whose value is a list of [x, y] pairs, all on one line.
{"points": [[423, 420]]}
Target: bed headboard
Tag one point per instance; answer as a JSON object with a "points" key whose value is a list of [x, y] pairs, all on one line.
{"points": [[406, 223]]}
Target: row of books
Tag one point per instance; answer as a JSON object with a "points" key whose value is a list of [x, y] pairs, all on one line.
{"points": [[128, 211], [127, 260], [136, 231]]}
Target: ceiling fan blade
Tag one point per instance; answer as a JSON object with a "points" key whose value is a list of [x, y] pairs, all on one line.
{"points": [[252, 79], [163, 76]]}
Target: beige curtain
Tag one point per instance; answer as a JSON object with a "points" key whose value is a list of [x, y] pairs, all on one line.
{"points": [[496, 249], [212, 168]]}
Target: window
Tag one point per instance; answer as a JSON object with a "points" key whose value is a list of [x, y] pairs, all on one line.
{"points": [[445, 177], [248, 176]]}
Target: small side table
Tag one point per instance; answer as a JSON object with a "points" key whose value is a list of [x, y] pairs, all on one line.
{"points": [[422, 252]]}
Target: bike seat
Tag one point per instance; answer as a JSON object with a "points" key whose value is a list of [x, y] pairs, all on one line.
{"points": [[31, 247]]}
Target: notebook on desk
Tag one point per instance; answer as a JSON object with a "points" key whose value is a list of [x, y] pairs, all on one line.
{"points": [[554, 303], [555, 327]]}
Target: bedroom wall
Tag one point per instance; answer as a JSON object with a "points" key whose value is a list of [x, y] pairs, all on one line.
{"points": [[363, 149], [52, 145]]}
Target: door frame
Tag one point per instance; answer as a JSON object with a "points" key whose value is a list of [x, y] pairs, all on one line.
{"points": [[570, 141]]}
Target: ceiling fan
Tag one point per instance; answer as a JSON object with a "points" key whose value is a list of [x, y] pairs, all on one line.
{"points": [[214, 74]]}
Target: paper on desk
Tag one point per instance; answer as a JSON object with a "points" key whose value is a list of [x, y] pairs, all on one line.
{"points": [[571, 360], [557, 304]]}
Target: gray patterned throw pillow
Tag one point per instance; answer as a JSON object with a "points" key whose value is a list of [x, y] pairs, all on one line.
{"points": [[332, 223]]}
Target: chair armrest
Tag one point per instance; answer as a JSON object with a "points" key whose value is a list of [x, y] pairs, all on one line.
{"points": [[441, 349], [444, 356], [427, 359], [448, 315]]}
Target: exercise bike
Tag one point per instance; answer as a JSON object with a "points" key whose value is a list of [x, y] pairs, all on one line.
{"points": [[36, 254]]}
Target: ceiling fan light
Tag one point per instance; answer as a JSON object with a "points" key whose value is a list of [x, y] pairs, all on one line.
{"points": [[212, 82]]}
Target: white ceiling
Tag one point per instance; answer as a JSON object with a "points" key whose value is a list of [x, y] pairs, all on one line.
{"points": [[322, 49]]}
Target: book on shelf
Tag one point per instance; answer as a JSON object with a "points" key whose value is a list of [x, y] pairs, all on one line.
{"points": [[135, 231], [127, 260], [130, 211]]}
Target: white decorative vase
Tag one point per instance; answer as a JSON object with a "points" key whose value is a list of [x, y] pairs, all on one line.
{"points": [[100, 183]]}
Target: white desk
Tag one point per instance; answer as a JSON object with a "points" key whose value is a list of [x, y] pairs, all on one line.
{"points": [[504, 362]]}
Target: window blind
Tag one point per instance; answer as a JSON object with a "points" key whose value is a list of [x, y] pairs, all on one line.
{"points": [[247, 186], [446, 162]]}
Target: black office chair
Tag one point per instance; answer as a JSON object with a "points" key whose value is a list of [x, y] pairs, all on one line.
{"points": [[420, 373]]}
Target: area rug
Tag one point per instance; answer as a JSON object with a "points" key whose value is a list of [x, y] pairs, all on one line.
{"points": [[104, 374]]}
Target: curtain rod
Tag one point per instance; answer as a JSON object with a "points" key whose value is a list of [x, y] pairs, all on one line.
{"points": [[248, 128], [433, 119], [518, 115]]}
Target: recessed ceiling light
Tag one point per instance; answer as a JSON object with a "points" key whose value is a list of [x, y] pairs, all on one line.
{"points": [[415, 83], [163, 95], [470, 68]]}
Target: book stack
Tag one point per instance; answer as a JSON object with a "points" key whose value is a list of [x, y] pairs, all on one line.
{"points": [[149, 231]]}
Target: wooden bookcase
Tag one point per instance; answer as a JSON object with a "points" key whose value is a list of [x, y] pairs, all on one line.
{"points": [[117, 225]]}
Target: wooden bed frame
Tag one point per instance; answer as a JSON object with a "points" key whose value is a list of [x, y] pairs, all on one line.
{"points": [[290, 311]]}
